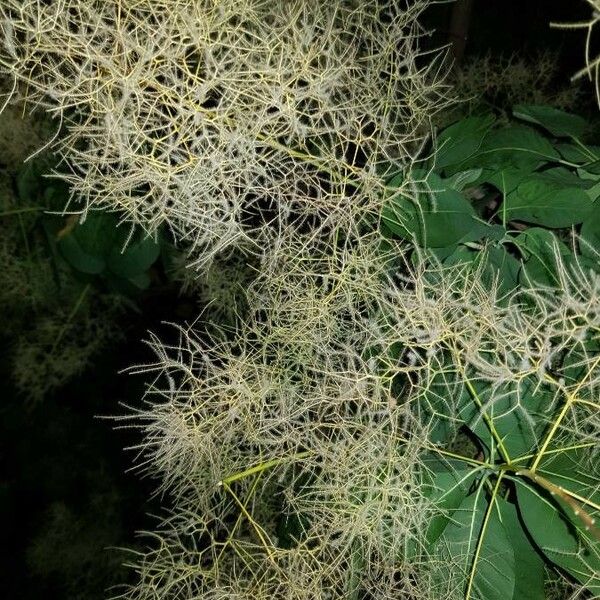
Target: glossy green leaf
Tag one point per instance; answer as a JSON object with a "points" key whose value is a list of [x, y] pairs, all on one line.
{"points": [[590, 234], [558, 122], [579, 153], [73, 252], [529, 564], [446, 483], [577, 360], [543, 255], [461, 140], [549, 523], [574, 470], [544, 201], [439, 217], [482, 230], [593, 167], [560, 176], [436, 407], [98, 234], [492, 569], [137, 258], [506, 179], [99, 245], [514, 147], [459, 181], [494, 264], [518, 411]]}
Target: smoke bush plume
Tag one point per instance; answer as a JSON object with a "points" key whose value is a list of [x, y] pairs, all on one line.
{"points": [[223, 118]]}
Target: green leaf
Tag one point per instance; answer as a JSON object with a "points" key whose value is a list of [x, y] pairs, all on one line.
{"points": [[579, 153], [518, 411], [96, 245], [506, 179], [558, 122], [550, 525], [136, 259], [459, 181], [548, 201], [461, 140], [98, 233], [483, 230], [562, 176], [543, 254], [493, 567], [574, 470], [529, 565], [590, 234], [517, 147], [593, 167], [74, 253], [86, 246], [494, 263], [446, 484], [439, 217], [577, 361]]}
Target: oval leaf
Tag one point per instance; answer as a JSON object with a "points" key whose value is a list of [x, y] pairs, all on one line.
{"points": [[135, 260], [529, 565], [461, 140], [558, 122], [491, 567], [552, 530], [549, 203], [72, 251], [440, 216]]}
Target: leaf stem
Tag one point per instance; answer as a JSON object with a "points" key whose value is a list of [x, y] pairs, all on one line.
{"points": [[260, 532], [488, 420], [484, 525]]}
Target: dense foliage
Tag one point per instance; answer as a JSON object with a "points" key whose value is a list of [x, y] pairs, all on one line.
{"points": [[518, 379]]}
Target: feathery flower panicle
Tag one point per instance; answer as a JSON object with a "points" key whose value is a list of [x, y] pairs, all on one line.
{"points": [[223, 118], [287, 446], [296, 450], [592, 63], [459, 333]]}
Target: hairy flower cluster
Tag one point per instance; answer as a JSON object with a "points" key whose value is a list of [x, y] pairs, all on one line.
{"points": [[294, 453], [223, 118], [293, 470], [459, 334]]}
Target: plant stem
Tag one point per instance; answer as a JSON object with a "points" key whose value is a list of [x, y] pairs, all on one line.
{"points": [[262, 467], [571, 398]]}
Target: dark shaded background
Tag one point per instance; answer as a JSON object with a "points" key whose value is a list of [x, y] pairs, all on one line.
{"points": [[61, 456]]}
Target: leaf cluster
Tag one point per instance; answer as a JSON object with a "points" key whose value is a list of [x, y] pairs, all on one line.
{"points": [[505, 195], [513, 370]]}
